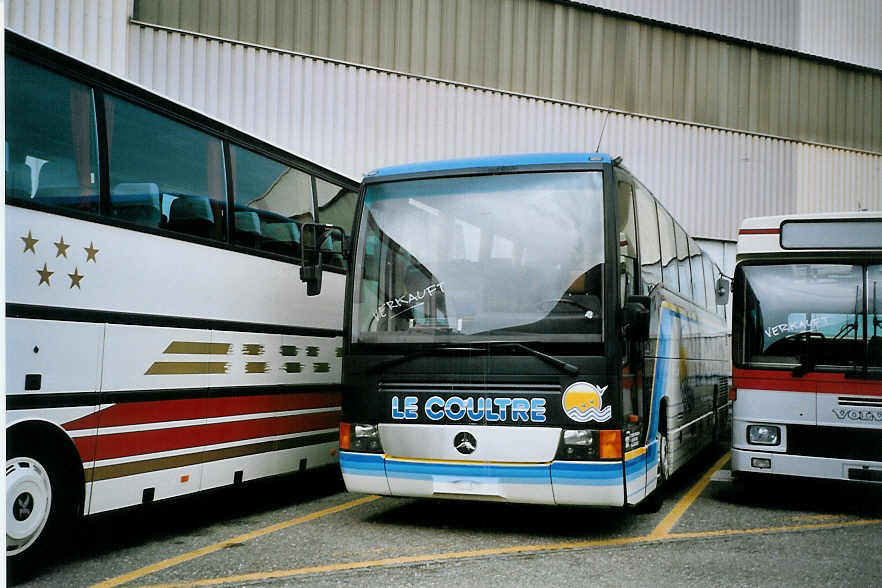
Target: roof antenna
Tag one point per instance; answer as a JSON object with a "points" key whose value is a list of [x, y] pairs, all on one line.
{"points": [[602, 129]]}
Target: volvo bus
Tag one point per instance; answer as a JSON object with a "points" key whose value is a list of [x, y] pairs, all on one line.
{"points": [[807, 352], [531, 328], [159, 341]]}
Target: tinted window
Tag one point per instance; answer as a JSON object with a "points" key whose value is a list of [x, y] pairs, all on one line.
{"points": [[627, 239], [336, 207], [668, 250], [164, 173], [698, 294], [710, 283], [272, 201], [683, 260], [650, 254], [51, 153]]}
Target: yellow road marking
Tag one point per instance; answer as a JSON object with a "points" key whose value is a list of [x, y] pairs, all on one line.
{"points": [[549, 547], [818, 517], [664, 527], [240, 539]]}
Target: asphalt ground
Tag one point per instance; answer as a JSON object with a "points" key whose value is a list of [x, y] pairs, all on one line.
{"points": [[306, 530]]}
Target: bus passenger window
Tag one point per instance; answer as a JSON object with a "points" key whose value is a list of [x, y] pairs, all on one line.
{"points": [[668, 250], [272, 201], [51, 141], [683, 262], [650, 254], [698, 294], [336, 206], [164, 174], [627, 240]]}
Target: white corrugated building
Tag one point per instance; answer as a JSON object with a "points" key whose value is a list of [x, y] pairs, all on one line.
{"points": [[724, 109]]}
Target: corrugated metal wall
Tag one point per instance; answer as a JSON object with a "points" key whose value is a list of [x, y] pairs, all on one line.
{"points": [[846, 30], [354, 118], [563, 52], [91, 30]]}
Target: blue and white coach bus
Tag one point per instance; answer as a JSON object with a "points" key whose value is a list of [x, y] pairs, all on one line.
{"points": [[531, 328]]}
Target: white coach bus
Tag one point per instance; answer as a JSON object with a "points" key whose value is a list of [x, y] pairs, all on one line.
{"points": [[159, 339], [807, 353]]}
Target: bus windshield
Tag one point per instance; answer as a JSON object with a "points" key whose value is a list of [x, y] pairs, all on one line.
{"points": [[820, 312], [481, 258]]}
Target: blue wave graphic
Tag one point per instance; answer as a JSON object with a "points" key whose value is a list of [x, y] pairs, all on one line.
{"points": [[592, 414]]}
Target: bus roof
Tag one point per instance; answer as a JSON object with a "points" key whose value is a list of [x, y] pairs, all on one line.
{"points": [[823, 231], [494, 161]]}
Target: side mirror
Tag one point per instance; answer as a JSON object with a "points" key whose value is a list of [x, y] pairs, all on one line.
{"points": [[636, 317], [318, 240], [722, 291]]}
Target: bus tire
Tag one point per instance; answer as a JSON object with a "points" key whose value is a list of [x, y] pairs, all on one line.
{"points": [[40, 503]]}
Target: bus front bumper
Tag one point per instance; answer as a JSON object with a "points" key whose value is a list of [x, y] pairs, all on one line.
{"points": [[558, 482], [762, 462]]}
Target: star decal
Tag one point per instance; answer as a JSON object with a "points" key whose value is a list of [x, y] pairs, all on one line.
{"points": [[62, 248], [44, 276], [75, 278], [91, 253], [29, 242]]}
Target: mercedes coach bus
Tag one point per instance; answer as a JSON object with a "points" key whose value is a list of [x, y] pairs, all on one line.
{"points": [[807, 347], [159, 341], [528, 328]]}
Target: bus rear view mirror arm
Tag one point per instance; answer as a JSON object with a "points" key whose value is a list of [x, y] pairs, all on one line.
{"points": [[318, 240]]}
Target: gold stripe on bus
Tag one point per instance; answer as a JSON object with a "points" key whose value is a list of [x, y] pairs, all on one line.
{"points": [[197, 348], [143, 466], [256, 367], [168, 368], [635, 453]]}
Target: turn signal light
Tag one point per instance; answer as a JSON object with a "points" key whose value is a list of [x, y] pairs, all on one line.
{"points": [[610, 444], [345, 436], [733, 393]]}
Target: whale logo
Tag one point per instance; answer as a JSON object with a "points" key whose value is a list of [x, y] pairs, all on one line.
{"points": [[583, 402]]}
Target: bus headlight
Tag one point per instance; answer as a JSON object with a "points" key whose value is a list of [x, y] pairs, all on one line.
{"points": [[360, 437], [763, 435], [586, 445]]}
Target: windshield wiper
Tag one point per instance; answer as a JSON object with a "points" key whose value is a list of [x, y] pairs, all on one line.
{"points": [[559, 363], [439, 350]]}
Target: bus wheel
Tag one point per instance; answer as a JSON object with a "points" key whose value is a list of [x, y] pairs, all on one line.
{"points": [[38, 504]]}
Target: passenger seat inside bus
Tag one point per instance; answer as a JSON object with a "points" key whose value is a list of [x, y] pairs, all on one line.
{"points": [[136, 202], [191, 215], [281, 237], [248, 231]]}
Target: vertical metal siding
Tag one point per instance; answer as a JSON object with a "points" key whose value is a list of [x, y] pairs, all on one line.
{"points": [[354, 119], [91, 30], [846, 31], [566, 52]]}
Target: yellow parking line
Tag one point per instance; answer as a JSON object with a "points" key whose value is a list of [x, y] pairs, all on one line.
{"points": [[240, 539], [461, 555], [667, 523]]}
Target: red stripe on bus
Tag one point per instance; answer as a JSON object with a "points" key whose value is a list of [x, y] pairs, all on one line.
{"points": [[759, 231], [814, 382], [146, 442], [136, 413]]}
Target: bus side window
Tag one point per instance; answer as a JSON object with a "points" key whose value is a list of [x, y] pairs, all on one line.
{"points": [[650, 253], [668, 250], [163, 173], [51, 139], [272, 201], [709, 287], [683, 262], [627, 240], [698, 294], [336, 206]]}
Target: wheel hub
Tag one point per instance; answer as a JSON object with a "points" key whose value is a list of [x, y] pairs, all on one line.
{"points": [[28, 502]]}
